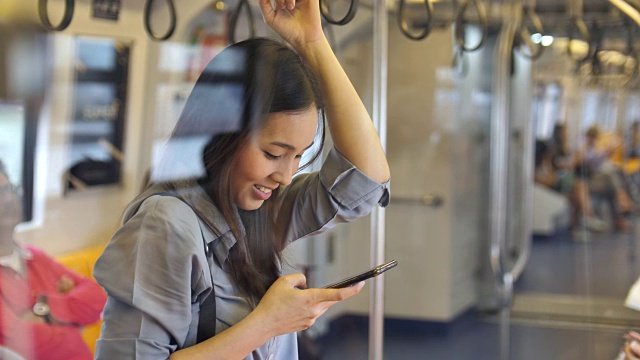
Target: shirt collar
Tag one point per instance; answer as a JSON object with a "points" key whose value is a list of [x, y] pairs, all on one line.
{"points": [[220, 238], [15, 260]]}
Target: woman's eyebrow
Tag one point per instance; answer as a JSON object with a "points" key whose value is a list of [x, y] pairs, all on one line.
{"points": [[288, 146]]}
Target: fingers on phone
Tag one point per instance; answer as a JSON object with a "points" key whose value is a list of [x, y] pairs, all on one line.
{"points": [[346, 292], [297, 280]]}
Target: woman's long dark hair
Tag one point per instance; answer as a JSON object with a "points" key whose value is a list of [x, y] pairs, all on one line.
{"points": [[229, 101]]}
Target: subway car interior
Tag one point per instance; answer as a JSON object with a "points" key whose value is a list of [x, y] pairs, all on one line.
{"points": [[511, 129]]}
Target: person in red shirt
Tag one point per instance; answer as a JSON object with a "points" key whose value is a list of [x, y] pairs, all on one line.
{"points": [[43, 304]]}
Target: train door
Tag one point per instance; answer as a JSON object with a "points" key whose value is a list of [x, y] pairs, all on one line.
{"points": [[580, 277]]}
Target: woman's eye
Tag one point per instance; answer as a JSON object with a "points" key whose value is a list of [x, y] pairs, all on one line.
{"points": [[270, 155]]}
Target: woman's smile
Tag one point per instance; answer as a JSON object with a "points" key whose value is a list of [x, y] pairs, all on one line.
{"points": [[271, 156]]}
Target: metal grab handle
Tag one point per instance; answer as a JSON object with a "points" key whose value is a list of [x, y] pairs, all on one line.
{"points": [[66, 18], [583, 29], [631, 53], [500, 113], [459, 25], [500, 110], [527, 166], [432, 200], [233, 21], [525, 36], [459, 62], [405, 28], [631, 11], [499, 147], [351, 13], [172, 20]]}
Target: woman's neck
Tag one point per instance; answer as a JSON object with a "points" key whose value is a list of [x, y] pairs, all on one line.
{"points": [[7, 245]]}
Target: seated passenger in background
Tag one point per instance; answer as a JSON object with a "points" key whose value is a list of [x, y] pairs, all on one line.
{"points": [[545, 174], [43, 305], [594, 164], [631, 162], [561, 158]]}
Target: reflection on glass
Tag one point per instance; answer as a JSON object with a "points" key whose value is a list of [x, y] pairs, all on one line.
{"points": [[98, 114]]}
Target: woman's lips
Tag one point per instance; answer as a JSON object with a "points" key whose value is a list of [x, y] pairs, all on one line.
{"points": [[262, 192]]}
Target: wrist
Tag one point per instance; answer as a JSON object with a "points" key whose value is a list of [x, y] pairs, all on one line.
{"points": [[311, 51], [41, 308], [260, 320]]}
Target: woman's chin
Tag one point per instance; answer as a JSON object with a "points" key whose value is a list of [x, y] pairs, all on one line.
{"points": [[251, 205]]}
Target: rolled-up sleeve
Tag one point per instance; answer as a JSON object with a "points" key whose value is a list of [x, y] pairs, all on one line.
{"points": [[316, 202], [150, 270]]}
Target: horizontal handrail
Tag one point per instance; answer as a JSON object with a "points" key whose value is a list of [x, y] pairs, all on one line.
{"points": [[432, 200]]}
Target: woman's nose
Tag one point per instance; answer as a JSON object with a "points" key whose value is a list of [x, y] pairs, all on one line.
{"points": [[283, 178], [284, 174]]}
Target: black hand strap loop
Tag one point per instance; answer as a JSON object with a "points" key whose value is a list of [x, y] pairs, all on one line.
{"points": [[404, 25], [577, 22], [66, 18], [525, 34], [460, 23], [351, 13], [233, 21], [172, 20]]}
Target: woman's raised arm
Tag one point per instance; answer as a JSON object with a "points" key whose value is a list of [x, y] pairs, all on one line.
{"points": [[352, 131]]}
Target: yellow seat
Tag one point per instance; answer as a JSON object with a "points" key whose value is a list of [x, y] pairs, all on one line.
{"points": [[82, 262]]}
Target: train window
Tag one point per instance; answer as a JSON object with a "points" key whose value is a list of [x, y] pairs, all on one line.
{"points": [[547, 108], [600, 107]]}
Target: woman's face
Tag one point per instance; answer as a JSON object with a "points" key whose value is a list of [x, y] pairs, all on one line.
{"points": [[10, 207], [271, 156]]}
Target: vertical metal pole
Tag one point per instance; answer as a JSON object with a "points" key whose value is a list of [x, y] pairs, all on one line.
{"points": [[526, 181], [499, 151], [500, 113], [376, 304]]}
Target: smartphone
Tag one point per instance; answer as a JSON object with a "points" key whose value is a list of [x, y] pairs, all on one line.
{"points": [[364, 276]]}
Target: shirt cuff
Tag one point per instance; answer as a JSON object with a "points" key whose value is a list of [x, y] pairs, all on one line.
{"points": [[350, 186]]}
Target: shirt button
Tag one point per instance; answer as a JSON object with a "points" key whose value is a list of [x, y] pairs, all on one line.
{"points": [[270, 357]]}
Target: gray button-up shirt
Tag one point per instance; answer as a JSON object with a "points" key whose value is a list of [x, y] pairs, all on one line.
{"points": [[156, 273]]}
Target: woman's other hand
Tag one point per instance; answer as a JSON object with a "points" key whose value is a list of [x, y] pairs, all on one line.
{"points": [[297, 22], [632, 346], [288, 306], [29, 316], [65, 284]]}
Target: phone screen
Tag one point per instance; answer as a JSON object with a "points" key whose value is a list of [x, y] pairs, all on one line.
{"points": [[363, 276]]}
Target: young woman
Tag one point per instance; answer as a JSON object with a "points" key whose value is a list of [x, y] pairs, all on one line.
{"points": [[255, 110]]}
